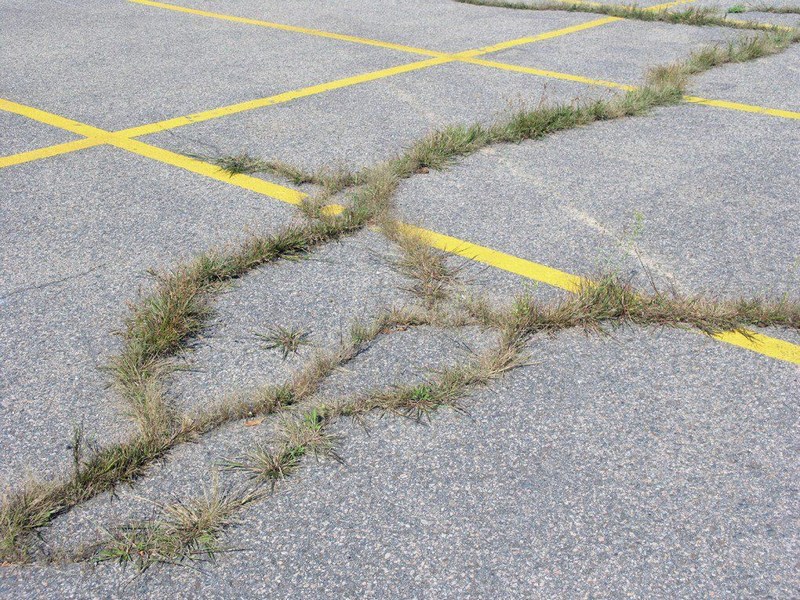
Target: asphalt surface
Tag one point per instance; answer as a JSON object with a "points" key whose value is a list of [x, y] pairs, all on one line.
{"points": [[648, 463]]}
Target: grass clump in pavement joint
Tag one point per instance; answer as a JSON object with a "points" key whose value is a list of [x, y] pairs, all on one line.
{"points": [[428, 269], [331, 180], [699, 16], [160, 326], [297, 437], [183, 531], [609, 300], [287, 340]]}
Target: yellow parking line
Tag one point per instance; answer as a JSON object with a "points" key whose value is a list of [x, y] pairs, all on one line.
{"points": [[750, 340], [292, 28], [756, 342], [548, 35], [66, 147], [768, 346], [279, 98], [669, 4], [98, 136], [751, 108], [549, 74], [247, 182], [500, 260], [724, 104], [467, 56], [51, 119]]}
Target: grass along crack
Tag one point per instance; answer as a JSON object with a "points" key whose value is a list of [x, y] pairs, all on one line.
{"points": [[607, 302], [698, 16]]}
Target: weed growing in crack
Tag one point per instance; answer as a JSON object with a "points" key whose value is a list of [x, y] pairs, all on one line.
{"points": [[331, 180], [297, 437], [426, 267], [287, 340], [184, 531], [265, 464], [698, 16]]}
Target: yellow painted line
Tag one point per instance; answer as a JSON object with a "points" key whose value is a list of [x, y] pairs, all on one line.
{"points": [[668, 4], [51, 119], [247, 182], [500, 260], [279, 98], [768, 346], [549, 74], [755, 342], [537, 38], [98, 136], [66, 147], [773, 112], [292, 28]]}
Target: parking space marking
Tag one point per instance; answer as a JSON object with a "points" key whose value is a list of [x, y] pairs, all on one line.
{"points": [[548, 35], [724, 104], [749, 340], [292, 28], [550, 74], [48, 151], [469, 56], [200, 167], [99, 137], [761, 344], [499, 260], [751, 108], [279, 98], [48, 118]]}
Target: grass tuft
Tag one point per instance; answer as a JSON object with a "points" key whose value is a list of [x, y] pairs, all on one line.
{"points": [[184, 531], [287, 340]]}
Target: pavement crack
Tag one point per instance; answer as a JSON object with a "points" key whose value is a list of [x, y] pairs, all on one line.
{"points": [[46, 284]]}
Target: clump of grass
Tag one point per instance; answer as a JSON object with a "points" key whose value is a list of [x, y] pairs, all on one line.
{"points": [[699, 16], [427, 269], [609, 300], [736, 9], [184, 531], [288, 340], [297, 437], [265, 464], [37, 503], [332, 180]]}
